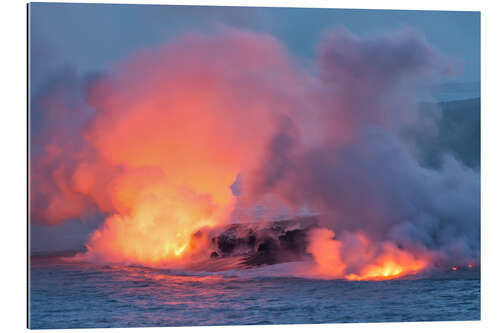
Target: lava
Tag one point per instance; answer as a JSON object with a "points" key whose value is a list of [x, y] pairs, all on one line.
{"points": [[362, 259], [390, 267]]}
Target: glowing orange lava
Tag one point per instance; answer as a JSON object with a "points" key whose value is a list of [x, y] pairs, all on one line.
{"points": [[389, 268], [179, 251], [358, 258]]}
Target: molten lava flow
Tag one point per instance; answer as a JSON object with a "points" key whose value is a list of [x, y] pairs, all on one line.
{"points": [[356, 258], [393, 263], [179, 251]]}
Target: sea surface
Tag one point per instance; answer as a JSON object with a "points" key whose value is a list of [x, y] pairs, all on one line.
{"points": [[84, 295]]}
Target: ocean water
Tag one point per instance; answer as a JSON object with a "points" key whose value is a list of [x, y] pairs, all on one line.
{"points": [[83, 295]]}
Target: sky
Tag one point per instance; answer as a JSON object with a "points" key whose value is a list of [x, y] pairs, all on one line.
{"points": [[90, 37]]}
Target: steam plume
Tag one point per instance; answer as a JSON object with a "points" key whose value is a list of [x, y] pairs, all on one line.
{"points": [[161, 142]]}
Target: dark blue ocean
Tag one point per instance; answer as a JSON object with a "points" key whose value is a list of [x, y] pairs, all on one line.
{"points": [[77, 295]]}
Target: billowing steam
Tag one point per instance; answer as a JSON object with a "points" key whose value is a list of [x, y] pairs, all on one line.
{"points": [[174, 138]]}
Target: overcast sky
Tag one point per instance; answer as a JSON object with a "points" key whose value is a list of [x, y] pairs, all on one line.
{"points": [[92, 36]]}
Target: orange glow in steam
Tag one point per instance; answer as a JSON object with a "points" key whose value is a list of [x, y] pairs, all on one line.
{"points": [[334, 258], [393, 264], [172, 131]]}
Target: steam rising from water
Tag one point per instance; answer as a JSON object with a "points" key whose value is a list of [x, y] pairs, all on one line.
{"points": [[172, 139]]}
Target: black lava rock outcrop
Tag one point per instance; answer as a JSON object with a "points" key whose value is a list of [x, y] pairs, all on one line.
{"points": [[264, 243]]}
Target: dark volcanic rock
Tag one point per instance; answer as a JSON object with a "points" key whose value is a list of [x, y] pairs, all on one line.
{"points": [[227, 241], [293, 241], [267, 253], [263, 243]]}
